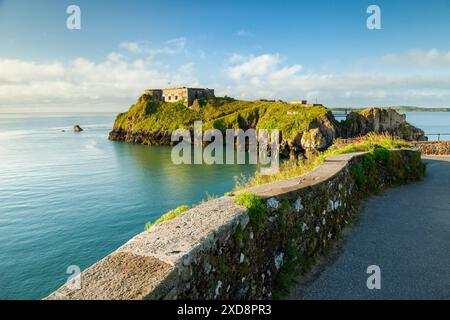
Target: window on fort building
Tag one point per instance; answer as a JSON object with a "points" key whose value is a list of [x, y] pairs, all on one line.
{"points": [[164, 98], [170, 98], [176, 98]]}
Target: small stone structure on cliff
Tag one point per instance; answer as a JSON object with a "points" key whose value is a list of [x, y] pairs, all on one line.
{"points": [[188, 95]]}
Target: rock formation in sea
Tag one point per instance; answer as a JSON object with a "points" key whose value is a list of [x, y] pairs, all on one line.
{"points": [[380, 121]]}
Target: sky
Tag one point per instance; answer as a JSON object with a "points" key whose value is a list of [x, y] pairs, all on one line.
{"points": [[321, 51]]}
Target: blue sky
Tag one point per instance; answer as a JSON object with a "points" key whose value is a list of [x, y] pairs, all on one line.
{"points": [[247, 49]]}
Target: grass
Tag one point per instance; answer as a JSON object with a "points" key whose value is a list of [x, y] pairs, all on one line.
{"points": [[295, 264], [257, 209], [239, 234], [172, 214], [358, 174], [373, 143], [153, 116]]}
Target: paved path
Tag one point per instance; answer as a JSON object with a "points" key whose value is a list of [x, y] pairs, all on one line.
{"points": [[406, 232]]}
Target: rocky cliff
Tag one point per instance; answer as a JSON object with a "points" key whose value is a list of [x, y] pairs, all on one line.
{"points": [[380, 121], [302, 128]]}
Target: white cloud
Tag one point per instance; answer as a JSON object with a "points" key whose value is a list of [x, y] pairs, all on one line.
{"points": [[133, 47], [177, 43], [263, 65], [14, 70], [266, 76], [244, 33], [115, 81], [236, 58], [122, 76], [420, 58], [170, 47]]}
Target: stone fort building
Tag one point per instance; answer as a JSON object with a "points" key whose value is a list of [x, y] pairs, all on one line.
{"points": [[188, 95]]}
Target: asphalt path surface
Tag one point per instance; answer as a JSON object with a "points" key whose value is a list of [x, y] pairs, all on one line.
{"points": [[405, 231]]}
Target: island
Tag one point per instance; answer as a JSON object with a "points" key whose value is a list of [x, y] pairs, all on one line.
{"points": [[304, 128]]}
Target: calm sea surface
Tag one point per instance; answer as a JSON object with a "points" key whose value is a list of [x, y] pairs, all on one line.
{"points": [[431, 122], [70, 199]]}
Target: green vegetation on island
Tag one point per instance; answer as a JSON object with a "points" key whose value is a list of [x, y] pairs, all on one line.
{"points": [[303, 128], [148, 115]]}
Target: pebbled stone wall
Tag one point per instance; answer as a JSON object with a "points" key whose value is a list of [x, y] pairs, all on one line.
{"points": [[433, 147], [216, 251]]}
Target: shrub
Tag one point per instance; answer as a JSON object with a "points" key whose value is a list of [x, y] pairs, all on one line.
{"points": [[382, 155], [294, 264], [358, 174], [369, 162], [370, 172], [257, 209], [148, 225], [239, 234], [172, 214], [377, 144], [282, 216]]}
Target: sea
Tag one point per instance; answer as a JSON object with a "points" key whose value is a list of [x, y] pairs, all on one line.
{"points": [[68, 199]]}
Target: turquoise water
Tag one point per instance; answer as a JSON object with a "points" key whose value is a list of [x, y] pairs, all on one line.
{"points": [[70, 199], [431, 122]]}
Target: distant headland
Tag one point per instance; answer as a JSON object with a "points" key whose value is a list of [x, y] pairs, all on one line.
{"points": [[400, 109]]}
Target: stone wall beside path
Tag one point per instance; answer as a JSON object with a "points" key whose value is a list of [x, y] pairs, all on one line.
{"points": [[433, 147], [222, 250]]}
